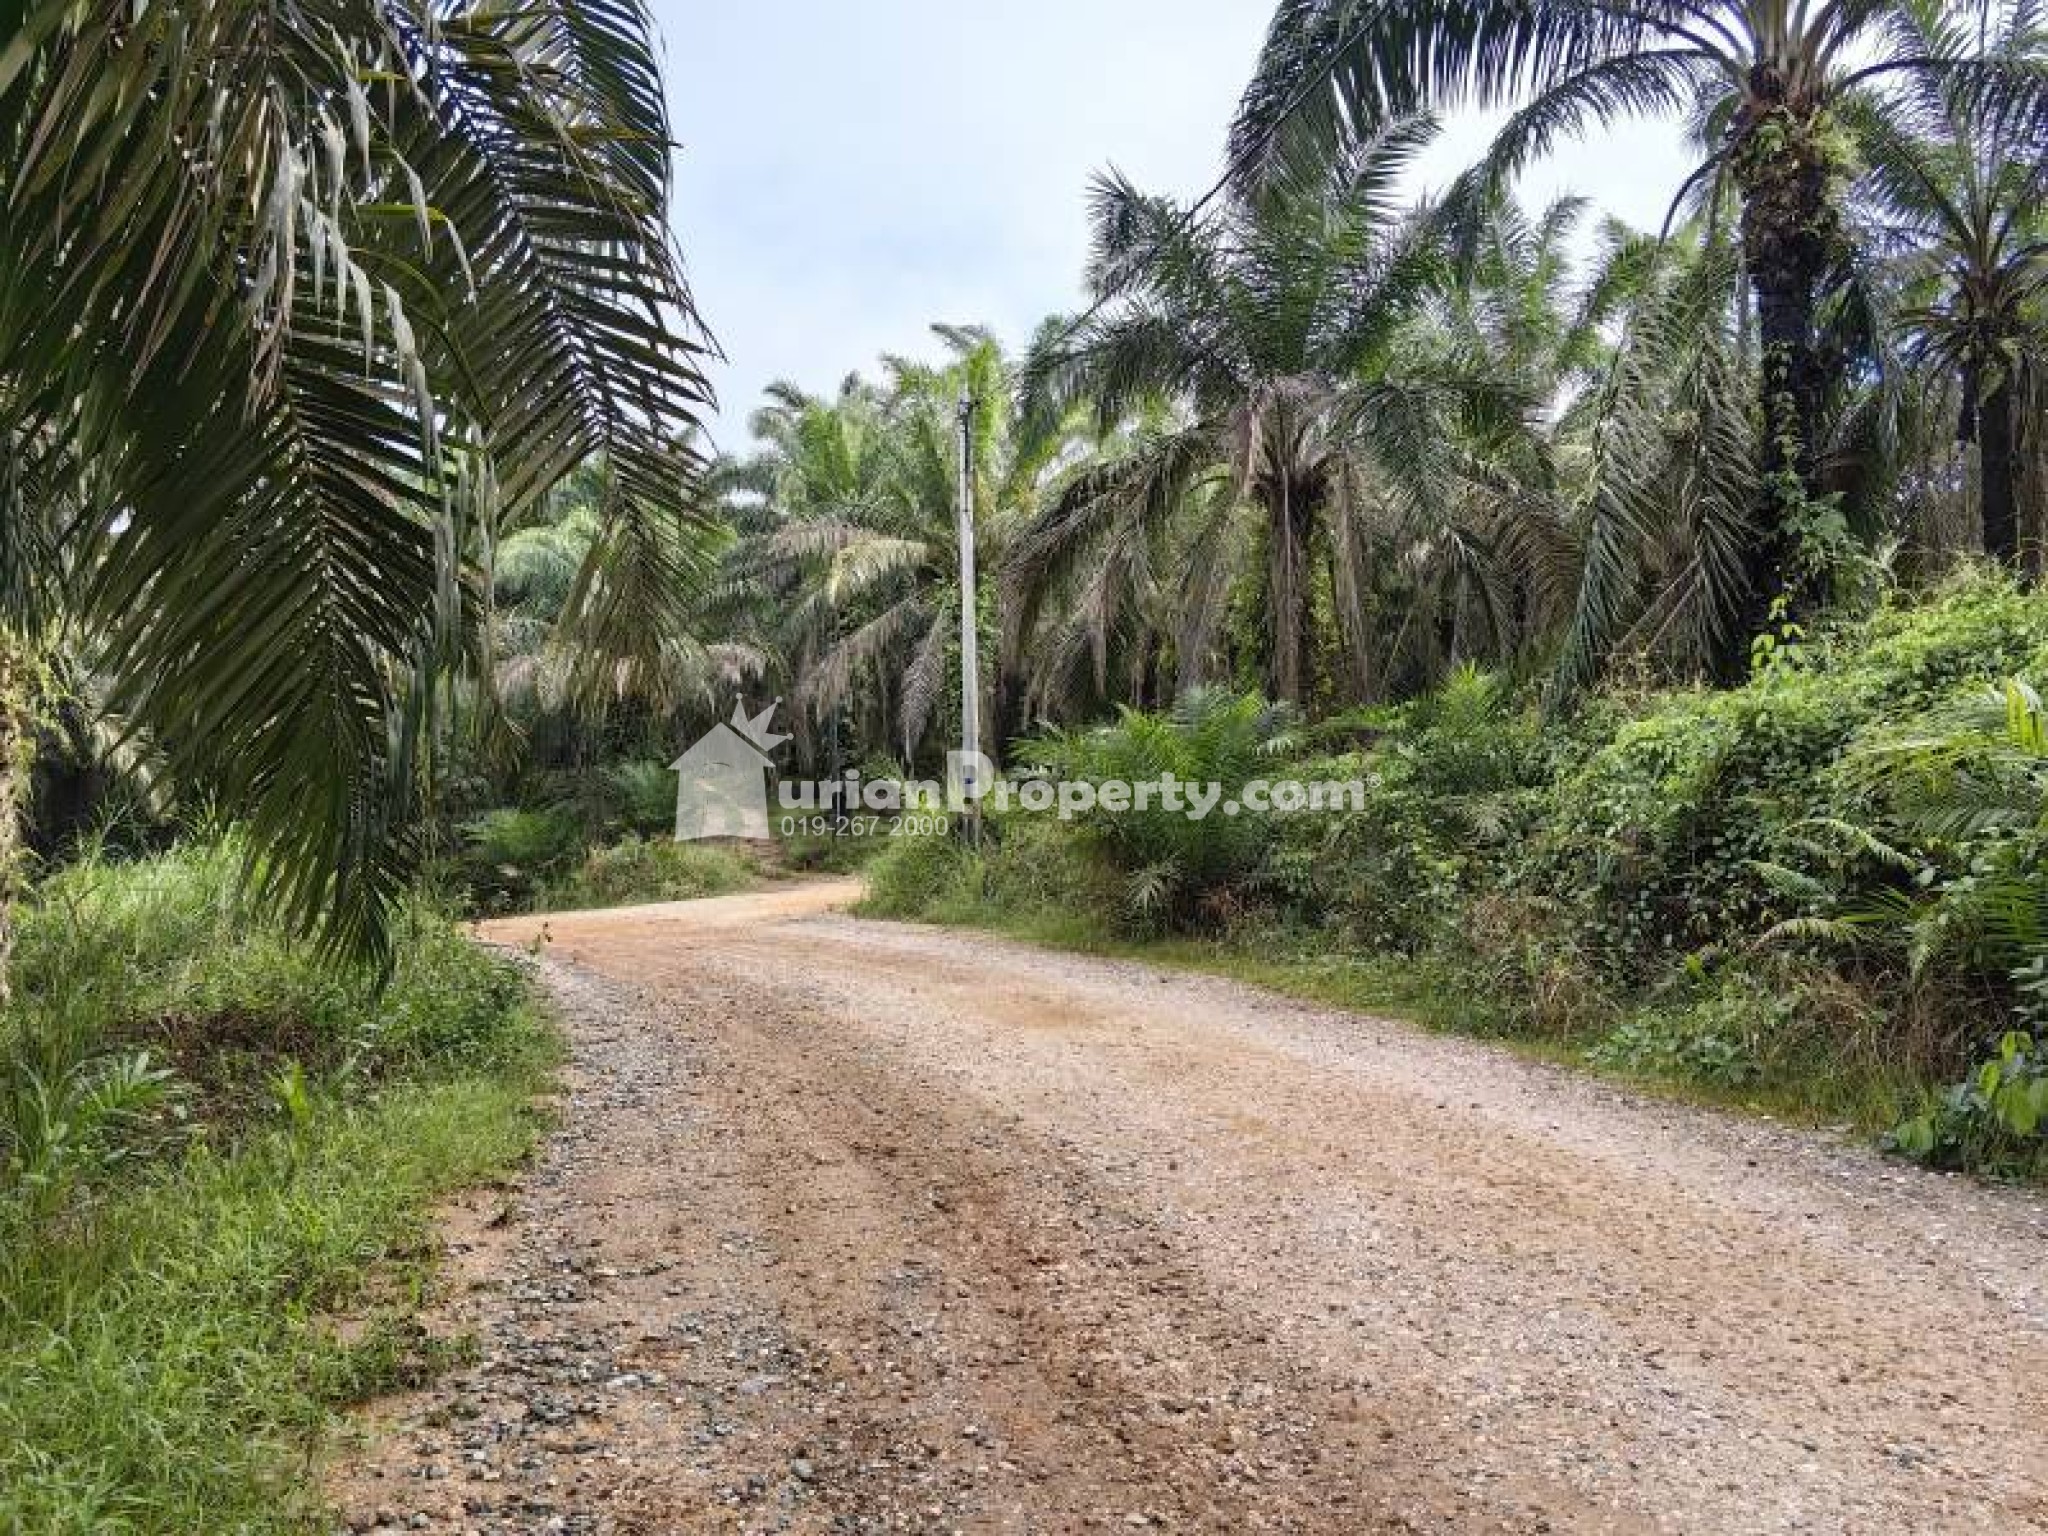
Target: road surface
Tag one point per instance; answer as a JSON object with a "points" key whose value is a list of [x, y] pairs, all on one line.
{"points": [[854, 1226]]}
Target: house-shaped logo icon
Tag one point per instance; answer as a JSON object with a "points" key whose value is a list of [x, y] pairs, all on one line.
{"points": [[721, 780]]}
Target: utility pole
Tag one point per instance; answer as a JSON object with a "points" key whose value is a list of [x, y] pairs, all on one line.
{"points": [[970, 661]]}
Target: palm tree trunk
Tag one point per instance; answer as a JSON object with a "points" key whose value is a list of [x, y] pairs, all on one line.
{"points": [[1997, 472], [1789, 225], [1006, 710], [1287, 589], [17, 746]]}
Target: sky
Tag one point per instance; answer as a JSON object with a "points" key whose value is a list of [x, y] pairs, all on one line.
{"points": [[852, 170]]}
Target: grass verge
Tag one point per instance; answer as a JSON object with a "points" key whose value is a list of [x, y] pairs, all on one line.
{"points": [[169, 1356]]}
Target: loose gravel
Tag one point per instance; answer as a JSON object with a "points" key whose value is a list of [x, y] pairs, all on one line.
{"points": [[856, 1227]]}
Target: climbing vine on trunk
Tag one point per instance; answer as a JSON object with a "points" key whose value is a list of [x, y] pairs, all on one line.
{"points": [[1789, 163]]}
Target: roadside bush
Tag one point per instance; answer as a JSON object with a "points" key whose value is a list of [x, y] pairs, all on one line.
{"points": [[1449, 792], [1674, 832], [1030, 869], [510, 852], [155, 985], [642, 793], [1034, 864], [1661, 833], [653, 869], [1993, 1119], [1172, 863], [916, 873], [210, 1134]]}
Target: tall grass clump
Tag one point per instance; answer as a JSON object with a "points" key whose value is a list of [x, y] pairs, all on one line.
{"points": [[647, 869], [212, 1138]]}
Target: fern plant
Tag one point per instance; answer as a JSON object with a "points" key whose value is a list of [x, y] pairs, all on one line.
{"points": [[1943, 872], [1939, 852], [1171, 860]]}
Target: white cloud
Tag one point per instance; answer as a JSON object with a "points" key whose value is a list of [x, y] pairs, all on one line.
{"points": [[850, 173]]}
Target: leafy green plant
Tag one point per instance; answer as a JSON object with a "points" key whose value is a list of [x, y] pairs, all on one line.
{"points": [[644, 793], [1449, 783], [211, 1134], [647, 869], [1170, 860], [510, 851], [1701, 1044], [1992, 1119], [269, 392], [917, 872], [67, 1112]]}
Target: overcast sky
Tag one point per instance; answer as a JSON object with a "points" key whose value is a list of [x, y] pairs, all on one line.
{"points": [[852, 170]]}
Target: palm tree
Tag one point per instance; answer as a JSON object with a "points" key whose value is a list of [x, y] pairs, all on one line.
{"points": [[1671, 484], [1125, 610], [861, 548], [1498, 572], [1953, 203], [1271, 334], [295, 304], [1761, 82], [555, 699]]}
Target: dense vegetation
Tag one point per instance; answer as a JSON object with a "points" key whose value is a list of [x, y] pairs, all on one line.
{"points": [[213, 1140], [302, 309], [299, 309]]}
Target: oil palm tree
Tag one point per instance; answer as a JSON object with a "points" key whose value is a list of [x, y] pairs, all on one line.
{"points": [[295, 302], [1671, 483], [1495, 575], [862, 547], [1267, 332], [1131, 606], [556, 701], [1952, 201], [1760, 81]]}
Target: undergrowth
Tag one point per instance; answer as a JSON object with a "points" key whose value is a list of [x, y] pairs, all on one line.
{"points": [[644, 870], [211, 1142]]}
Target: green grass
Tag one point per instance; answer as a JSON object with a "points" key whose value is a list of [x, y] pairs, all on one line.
{"points": [[169, 1355], [651, 869], [813, 853]]}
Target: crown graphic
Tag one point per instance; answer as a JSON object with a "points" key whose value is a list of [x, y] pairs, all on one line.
{"points": [[758, 730]]}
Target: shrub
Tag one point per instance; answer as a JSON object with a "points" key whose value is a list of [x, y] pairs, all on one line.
{"points": [[210, 1133], [916, 873], [1032, 865], [1030, 870], [1996, 1118], [1170, 860], [1674, 832], [509, 853], [655, 869], [642, 793]]}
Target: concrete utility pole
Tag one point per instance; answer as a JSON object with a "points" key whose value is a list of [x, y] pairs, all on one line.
{"points": [[970, 661]]}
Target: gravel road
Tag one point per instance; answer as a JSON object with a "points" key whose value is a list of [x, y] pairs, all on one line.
{"points": [[853, 1226]]}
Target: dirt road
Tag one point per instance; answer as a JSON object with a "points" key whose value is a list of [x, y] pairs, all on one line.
{"points": [[859, 1227]]}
